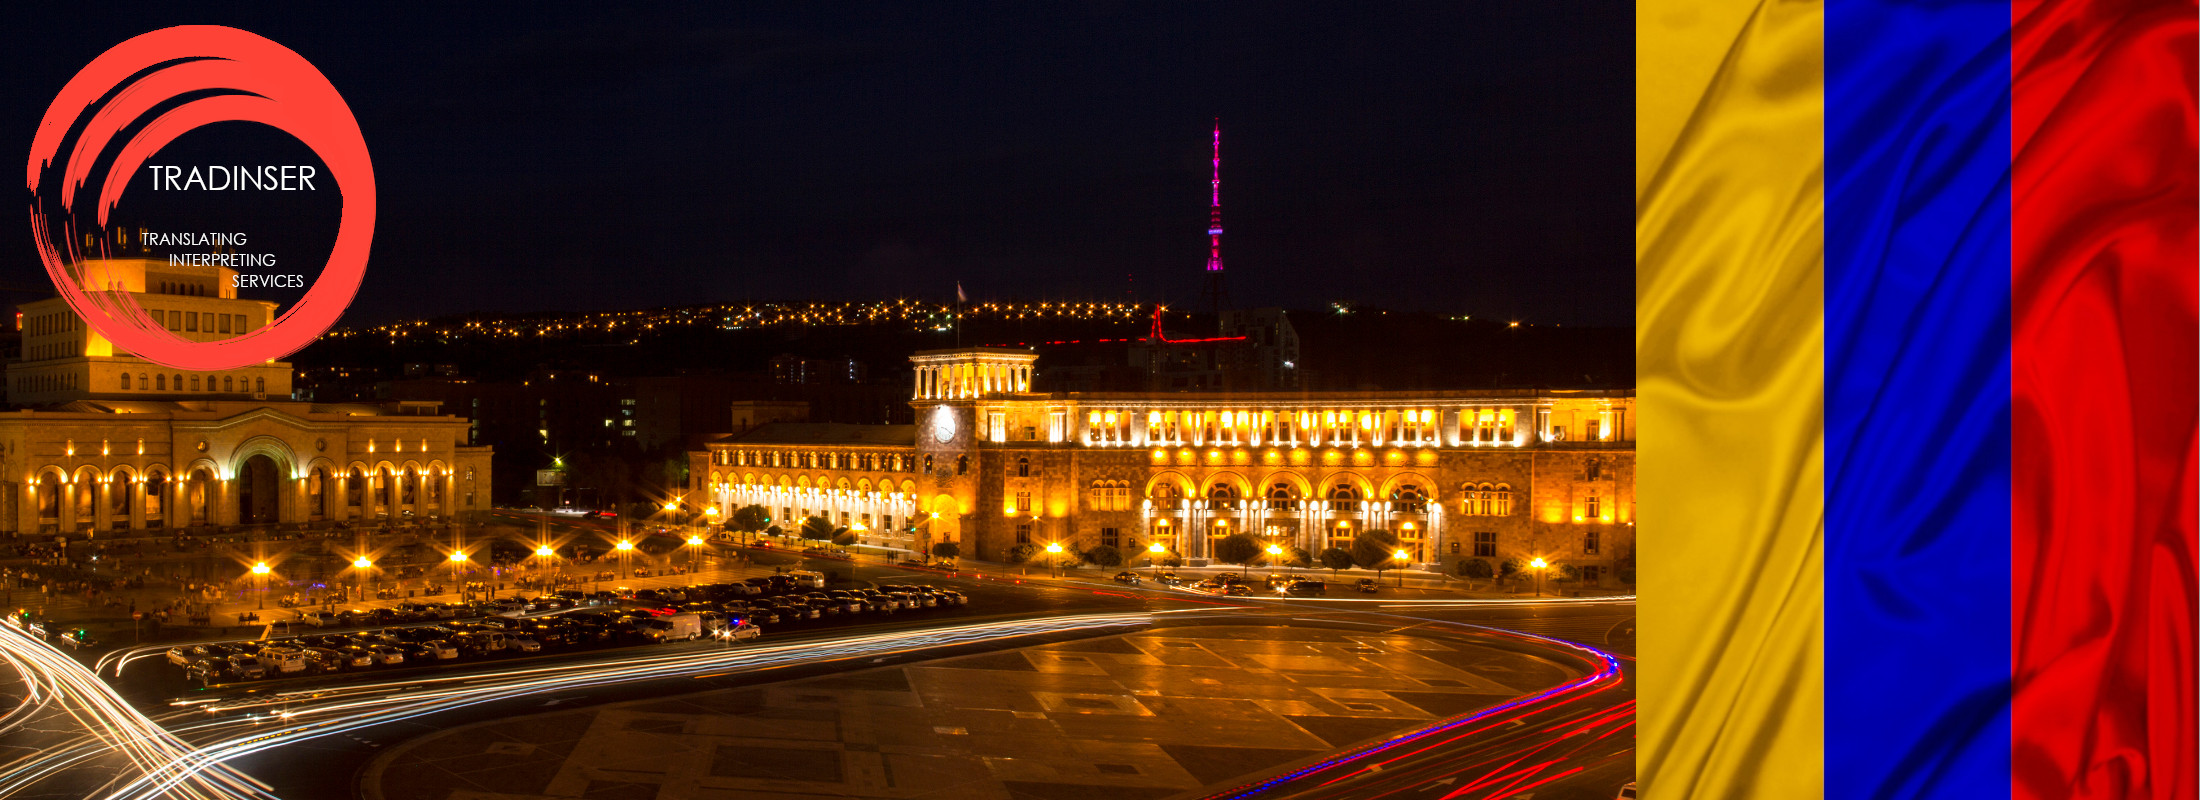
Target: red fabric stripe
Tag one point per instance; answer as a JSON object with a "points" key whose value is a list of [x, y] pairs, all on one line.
{"points": [[2104, 391]]}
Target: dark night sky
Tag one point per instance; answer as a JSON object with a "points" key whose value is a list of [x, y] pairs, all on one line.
{"points": [[1454, 156]]}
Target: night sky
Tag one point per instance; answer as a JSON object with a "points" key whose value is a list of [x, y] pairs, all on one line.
{"points": [[1459, 157]]}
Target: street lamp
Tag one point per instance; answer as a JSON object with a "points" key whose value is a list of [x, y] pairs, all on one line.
{"points": [[1054, 557], [458, 559], [1402, 557], [261, 570], [545, 556], [1275, 553], [625, 549], [692, 542], [362, 564], [1538, 564], [1154, 560]]}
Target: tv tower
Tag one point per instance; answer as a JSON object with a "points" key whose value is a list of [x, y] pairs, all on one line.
{"points": [[1215, 294]]}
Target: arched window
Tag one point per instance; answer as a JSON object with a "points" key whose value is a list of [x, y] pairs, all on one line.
{"points": [[1501, 500], [355, 488], [226, 386], [142, 385], [1283, 497], [927, 463], [194, 383], [259, 385], [126, 381], [1165, 495], [177, 382], [962, 465], [1343, 497], [1407, 498], [1222, 497], [1023, 465]]}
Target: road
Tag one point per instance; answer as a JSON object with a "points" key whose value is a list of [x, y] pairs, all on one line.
{"points": [[1575, 744]]}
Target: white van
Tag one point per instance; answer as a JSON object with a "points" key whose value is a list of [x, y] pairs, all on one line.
{"points": [[808, 579]]}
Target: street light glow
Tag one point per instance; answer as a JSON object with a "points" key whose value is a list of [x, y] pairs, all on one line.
{"points": [[458, 557], [545, 551], [1539, 563], [1054, 547], [624, 545], [362, 563], [695, 540], [1275, 549], [672, 506], [1156, 548], [1401, 555], [260, 568]]}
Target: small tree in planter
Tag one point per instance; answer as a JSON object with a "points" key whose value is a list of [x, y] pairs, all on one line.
{"points": [[1021, 554], [946, 550], [1475, 568], [749, 520], [1240, 549], [1296, 557], [817, 529], [1375, 549], [1336, 558], [1104, 557]]}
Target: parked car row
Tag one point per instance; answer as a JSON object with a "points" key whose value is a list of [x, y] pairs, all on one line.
{"points": [[451, 641], [819, 604]]}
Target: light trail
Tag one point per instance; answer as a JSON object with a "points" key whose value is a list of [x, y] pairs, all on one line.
{"points": [[308, 714], [116, 728]]}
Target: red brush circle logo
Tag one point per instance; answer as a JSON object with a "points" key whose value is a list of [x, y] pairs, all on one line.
{"points": [[229, 76]]}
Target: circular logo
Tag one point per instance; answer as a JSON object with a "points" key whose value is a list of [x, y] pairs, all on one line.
{"points": [[192, 76]]}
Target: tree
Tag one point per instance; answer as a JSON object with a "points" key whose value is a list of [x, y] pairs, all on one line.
{"points": [[1297, 557], [775, 531], [1512, 566], [1336, 558], [1374, 549], [1239, 548], [750, 519], [817, 529], [1475, 568], [1104, 556], [1021, 553], [946, 550], [844, 537]]}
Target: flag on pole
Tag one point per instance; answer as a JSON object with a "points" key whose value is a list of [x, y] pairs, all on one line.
{"points": [[1916, 306], [959, 296]]}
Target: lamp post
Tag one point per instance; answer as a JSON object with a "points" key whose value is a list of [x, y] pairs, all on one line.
{"points": [[692, 543], [1538, 564], [625, 549], [1054, 557], [545, 556], [362, 564], [458, 560], [1154, 560], [1402, 557], [261, 570], [1275, 554]]}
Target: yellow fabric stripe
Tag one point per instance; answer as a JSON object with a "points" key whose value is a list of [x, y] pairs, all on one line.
{"points": [[1730, 317]]}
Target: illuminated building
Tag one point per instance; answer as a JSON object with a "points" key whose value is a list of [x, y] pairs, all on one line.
{"points": [[104, 441], [1489, 474]]}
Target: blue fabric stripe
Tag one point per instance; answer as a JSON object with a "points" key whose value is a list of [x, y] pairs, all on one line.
{"points": [[1917, 400]]}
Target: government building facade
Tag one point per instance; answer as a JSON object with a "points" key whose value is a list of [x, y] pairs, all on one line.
{"points": [[1492, 475], [99, 442]]}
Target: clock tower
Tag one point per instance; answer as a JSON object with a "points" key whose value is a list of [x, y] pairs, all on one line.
{"points": [[954, 389]]}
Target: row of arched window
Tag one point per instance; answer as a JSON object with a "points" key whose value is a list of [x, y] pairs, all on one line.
{"points": [[805, 459], [160, 383], [1482, 499]]}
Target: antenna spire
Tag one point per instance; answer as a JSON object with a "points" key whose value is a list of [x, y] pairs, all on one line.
{"points": [[1215, 293]]}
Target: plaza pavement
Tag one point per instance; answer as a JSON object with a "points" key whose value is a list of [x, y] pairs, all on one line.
{"points": [[1143, 715]]}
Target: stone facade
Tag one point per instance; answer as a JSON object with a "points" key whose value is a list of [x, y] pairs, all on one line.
{"points": [[1454, 475]]}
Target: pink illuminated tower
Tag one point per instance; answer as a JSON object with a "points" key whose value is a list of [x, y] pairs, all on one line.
{"points": [[1215, 294]]}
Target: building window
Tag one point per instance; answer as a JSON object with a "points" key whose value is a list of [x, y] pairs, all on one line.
{"points": [[1592, 504], [1023, 533], [962, 465], [160, 383], [1408, 499], [1223, 497], [1589, 543], [1110, 537], [1111, 495], [1485, 544], [1023, 465], [1594, 469], [126, 381], [1344, 498], [1023, 504]]}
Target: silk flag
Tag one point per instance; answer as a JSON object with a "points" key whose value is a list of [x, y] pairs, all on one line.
{"points": [[1916, 291]]}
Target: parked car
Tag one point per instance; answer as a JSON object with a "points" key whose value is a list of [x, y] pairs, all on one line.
{"points": [[283, 659], [1308, 586], [1366, 586], [1127, 577], [322, 659], [386, 654], [958, 598], [1236, 590], [1169, 579], [356, 656], [525, 644]]}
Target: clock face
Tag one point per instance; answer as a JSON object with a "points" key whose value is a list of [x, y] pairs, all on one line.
{"points": [[943, 425]]}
